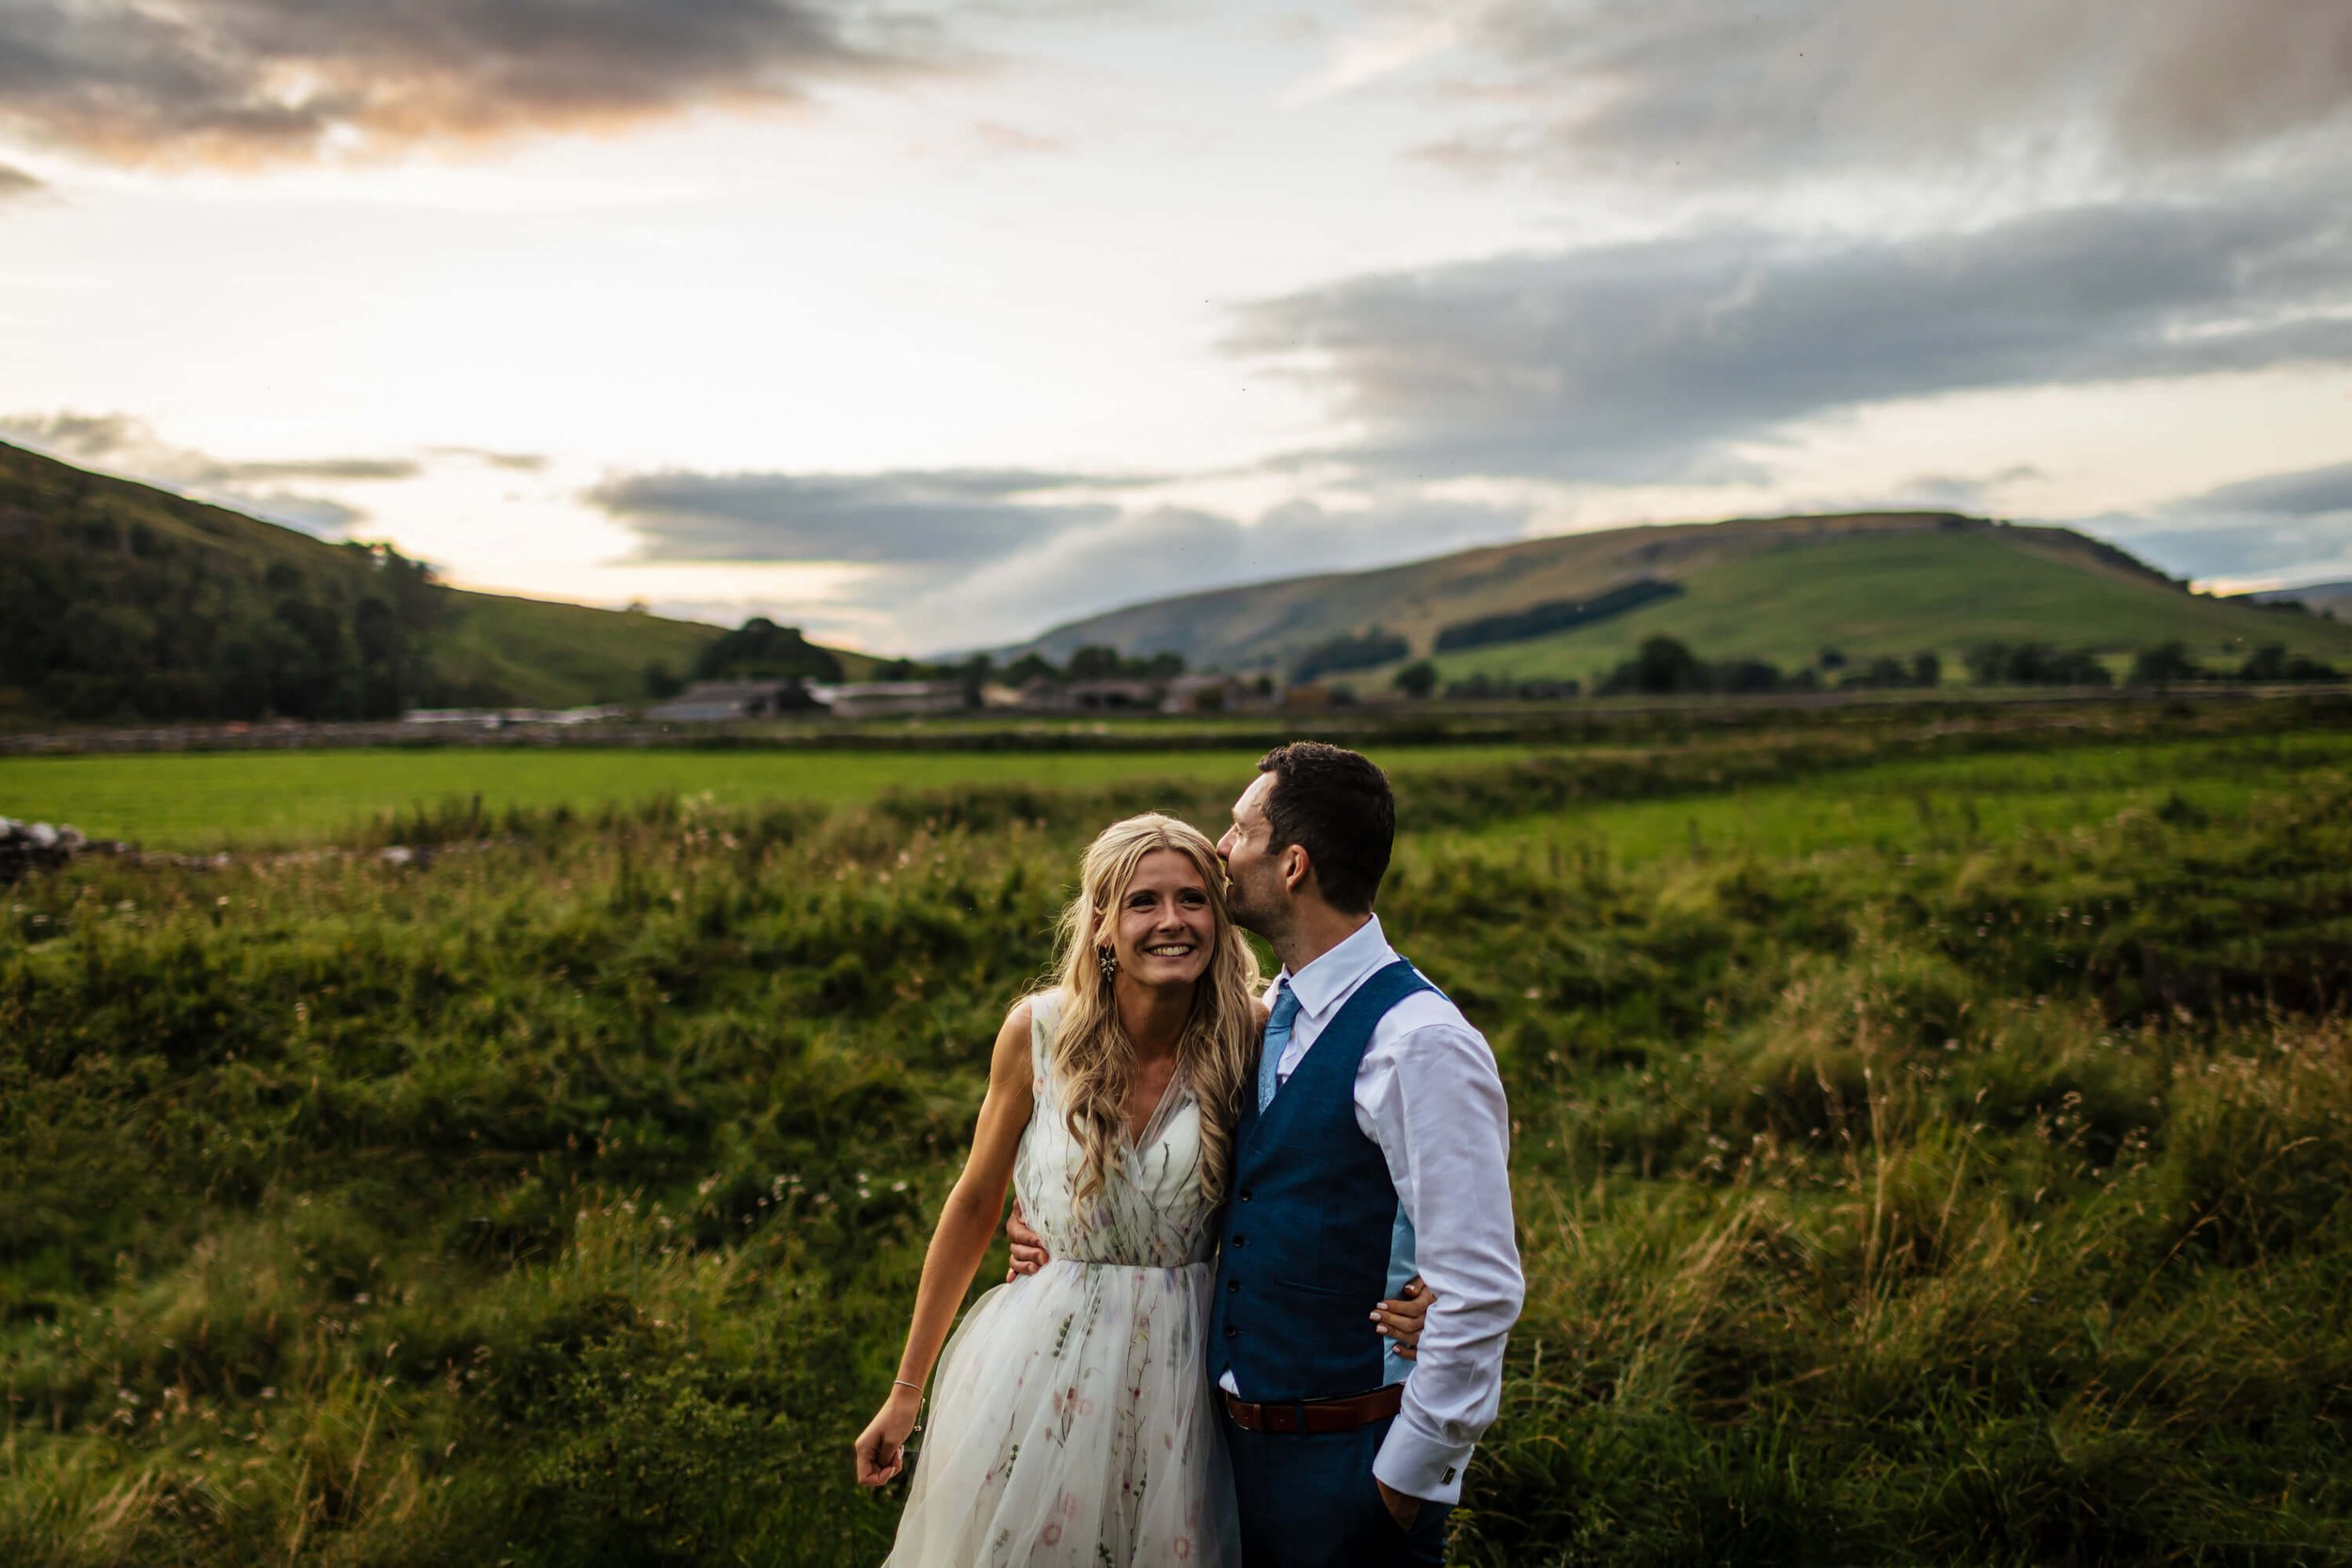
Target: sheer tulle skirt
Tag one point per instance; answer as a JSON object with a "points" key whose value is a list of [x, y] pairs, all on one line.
{"points": [[1070, 1423]]}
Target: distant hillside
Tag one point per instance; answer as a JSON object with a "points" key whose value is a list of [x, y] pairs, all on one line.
{"points": [[1780, 588], [122, 601], [2321, 597]]}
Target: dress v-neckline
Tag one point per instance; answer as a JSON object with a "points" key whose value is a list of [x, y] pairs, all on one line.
{"points": [[1155, 1125]]}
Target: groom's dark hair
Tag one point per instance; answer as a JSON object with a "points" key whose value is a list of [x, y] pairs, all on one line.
{"points": [[1335, 804]]}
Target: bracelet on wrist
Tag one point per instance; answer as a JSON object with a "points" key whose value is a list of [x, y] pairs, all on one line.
{"points": [[898, 1382]]}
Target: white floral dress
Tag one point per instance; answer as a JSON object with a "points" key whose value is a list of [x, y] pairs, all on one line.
{"points": [[1070, 1420]]}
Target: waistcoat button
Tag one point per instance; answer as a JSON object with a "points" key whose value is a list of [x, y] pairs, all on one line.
{"points": [[1241, 1240], [1231, 1332], [1231, 1285]]}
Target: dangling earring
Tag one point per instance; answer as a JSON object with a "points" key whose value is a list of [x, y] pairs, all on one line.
{"points": [[1109, 963]]}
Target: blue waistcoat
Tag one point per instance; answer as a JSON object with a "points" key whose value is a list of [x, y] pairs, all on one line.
{"points": [[1312, 1222]]}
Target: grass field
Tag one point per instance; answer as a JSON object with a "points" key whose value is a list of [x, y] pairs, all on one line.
{"points": [[1936, 591], [204, 801], [1933, 1145], [200, 801], [1994, 799]]}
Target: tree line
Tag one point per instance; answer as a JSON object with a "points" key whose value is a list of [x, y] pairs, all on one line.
{"points": [[108, 620], [760, 650], [757, 650], [1666, 666]]}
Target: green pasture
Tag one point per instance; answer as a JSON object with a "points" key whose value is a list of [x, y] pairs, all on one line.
{"points": [[1989, 799], [205, 801], [199, 801]]}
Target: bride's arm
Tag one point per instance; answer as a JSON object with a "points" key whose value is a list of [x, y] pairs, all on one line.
{"points": [[967, 1221]]}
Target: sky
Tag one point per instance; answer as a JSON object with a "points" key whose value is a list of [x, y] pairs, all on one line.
{"points": [[929, 329]]}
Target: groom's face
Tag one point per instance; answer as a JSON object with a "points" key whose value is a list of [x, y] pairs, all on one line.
{"points": [[1255, 892]]}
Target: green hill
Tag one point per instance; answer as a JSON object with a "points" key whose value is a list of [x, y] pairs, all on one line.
{"points": [[2319, 598], [1900, 595], [122, 602], [1780, 589]]}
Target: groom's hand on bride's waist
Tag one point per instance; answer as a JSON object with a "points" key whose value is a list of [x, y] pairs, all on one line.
{"points": [[1028, 1247]]}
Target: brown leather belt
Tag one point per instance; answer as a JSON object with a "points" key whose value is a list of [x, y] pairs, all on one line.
{"points": [[1312, 1415]]}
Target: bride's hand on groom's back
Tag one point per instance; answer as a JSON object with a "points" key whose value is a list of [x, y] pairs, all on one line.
{"points": [[1028, 1247], [1401, 1317]]}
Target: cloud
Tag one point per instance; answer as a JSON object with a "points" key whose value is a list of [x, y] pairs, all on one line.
{"points": [[1166, 551], [77, 437], [317, 514], [999, 137], [2304, 493], [248, 82], [1470, 157], [127, 444], [970, 557], [1673, 358], [15, 183], [327, 467], [2293, 525], [1387, 46], [952, 517], [515, 462], [1970, 492], [1674, 89]]}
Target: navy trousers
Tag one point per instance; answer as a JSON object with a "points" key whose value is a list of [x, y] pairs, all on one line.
{"points": [[1309, 1501]]}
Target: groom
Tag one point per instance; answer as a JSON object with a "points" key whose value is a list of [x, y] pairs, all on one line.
{"points": [[1374, 1148]]}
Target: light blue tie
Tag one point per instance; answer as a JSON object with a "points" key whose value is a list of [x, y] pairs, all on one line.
{"points": [[1277, 1038]]}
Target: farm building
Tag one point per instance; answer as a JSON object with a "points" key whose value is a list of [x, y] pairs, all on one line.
{"points": [[1216, 694], [499, 717], [894, 699], [724, 702], [1103, 696]]}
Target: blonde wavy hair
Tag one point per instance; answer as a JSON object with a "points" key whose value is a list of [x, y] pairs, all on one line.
{"points": [[1091, 1052]]}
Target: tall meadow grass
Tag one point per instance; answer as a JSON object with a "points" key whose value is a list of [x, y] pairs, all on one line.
{"points": [[1971, 1192]]}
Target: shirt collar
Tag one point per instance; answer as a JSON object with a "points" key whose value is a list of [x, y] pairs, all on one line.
{"points": [[1328, 979]]}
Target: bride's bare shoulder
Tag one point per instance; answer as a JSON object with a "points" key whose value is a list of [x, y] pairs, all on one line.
{"points": [[1038, 1010], [1009, 1057]]}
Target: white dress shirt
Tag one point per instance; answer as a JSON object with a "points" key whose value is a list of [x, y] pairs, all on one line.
{"points": [[1428, 1094]]}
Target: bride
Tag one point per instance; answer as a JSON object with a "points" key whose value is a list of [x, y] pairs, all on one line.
{"points": [[1072, 1420]]}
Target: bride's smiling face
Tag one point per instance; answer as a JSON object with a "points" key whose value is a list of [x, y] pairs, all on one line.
{"points": [[1163, 929]]}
